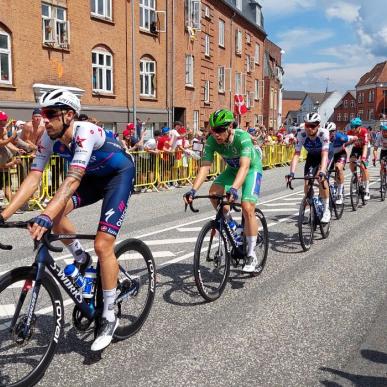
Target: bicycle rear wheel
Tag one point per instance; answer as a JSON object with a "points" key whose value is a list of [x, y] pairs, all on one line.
{"points": [[354, 192], [211, 262], [25, 358], [262, 246], [136, 286], [306, 223], [338, 209]]}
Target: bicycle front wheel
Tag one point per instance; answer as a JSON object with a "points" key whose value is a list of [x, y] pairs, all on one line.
{"points": [[354, 192], [337, 208], [306, 223], [211, 262], [25, 356], [262, 246], [136, 286]]}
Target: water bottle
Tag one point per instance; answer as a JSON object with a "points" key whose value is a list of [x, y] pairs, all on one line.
{"points": [[232, 224], [239, 235], [333, 190], [90, 281], [72, 272], [320, 208]]}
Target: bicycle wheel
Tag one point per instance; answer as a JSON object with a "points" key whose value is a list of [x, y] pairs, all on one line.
{"points": [[25, 358], [136, 286], [325, 229], [211, 262], [354, 192], [383, 186], [338, 209], [262, 246], [306, 223]]}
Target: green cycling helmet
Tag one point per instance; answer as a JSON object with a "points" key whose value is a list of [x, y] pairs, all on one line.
{"points": [[383, 127], [221, 117]]}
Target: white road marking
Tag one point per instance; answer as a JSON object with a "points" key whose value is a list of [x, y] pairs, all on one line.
{"points": [[279, 209], [189, 229]]}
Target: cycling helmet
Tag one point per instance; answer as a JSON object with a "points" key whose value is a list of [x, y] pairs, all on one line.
{"points": [[312, 118], [61, 98], [221, 117], [356, 122], [330, 126], [3, 116], [383, 127]]}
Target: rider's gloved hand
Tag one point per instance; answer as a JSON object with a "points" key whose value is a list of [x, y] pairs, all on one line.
{"points": [[188, 197], [43, 220], [290, 177], [232, 194]]}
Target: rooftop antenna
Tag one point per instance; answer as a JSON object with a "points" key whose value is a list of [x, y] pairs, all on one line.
{"points": [[326, 90]]}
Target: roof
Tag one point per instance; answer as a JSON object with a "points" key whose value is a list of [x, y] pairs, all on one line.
{"points": [[292, 113], [318, 97], [293, 95], [351, 92], [377, 74]]}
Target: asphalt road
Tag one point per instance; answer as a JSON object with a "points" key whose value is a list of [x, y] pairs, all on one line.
{"points": [[314, 318]]}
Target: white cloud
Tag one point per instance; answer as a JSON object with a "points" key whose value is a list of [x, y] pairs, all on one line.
{"points": [[279, 8], [302, 38], [344, 11]]}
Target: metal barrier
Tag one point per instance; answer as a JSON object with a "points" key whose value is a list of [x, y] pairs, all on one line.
{"points": [[152, 171]]}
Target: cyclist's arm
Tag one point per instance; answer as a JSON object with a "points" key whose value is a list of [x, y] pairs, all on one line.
{"points": [[65, 191], [202, 175], [294, 162], [26, 190], [324, 161], [244, 166]]}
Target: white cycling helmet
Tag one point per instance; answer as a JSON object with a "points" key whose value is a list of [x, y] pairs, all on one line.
{"points": [[61, 98], [312, 118], [330, 126], [302, 125]]}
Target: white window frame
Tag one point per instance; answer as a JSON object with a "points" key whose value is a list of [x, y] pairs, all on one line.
{"points": [[248, 38], [107, 9], [221, 79], [238, 42], [222, 27], [196, 121], [148, 13], [352, 104], [345, 117], [345, 104], [189, 70], [351, 116], [371, 114], [55, 30], [147, 75], [206, 45], [206, 91], [102, 71], [193, 14], [8, 53], [257, 53], [338, 117], [256, 90], [248, 64], [207, 13], [258, 16], [238, 4]]}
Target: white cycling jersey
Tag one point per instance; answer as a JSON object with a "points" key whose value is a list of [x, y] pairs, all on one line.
{"points": [[381, 142]]}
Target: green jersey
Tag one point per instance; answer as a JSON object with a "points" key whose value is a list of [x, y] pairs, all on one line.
{"points": [[241, 146]]}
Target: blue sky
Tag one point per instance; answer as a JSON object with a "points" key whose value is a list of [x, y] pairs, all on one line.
{"points": [[339, 40]]}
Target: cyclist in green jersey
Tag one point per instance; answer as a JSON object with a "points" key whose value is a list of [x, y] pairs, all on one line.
{"points": [[244, 170]]}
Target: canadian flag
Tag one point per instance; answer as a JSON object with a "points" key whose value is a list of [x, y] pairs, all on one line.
{"points": [[239, 104]]}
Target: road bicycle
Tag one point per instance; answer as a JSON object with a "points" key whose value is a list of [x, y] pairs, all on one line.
{"points": [[32, 306], [310, 213], [383, 179], [337, 209], [217, 248], [357, 188]]}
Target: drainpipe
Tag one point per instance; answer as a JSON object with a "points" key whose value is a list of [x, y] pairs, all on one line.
{"points": [[126, 58], [134, 66], [172, 113], [231, 56]]}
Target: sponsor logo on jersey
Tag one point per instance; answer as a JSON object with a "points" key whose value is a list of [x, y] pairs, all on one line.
{"points": [[108, 214], [40, 147], [79, 141]]}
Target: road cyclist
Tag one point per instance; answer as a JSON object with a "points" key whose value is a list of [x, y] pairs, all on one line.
{"points": [[381, 142], [243, 170]]}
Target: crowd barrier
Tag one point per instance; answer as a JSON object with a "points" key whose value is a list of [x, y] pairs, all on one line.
{"points": [[152, 171]]}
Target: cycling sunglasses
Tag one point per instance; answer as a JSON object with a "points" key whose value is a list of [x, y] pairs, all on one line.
{"points": [[51, 113], [220, 129], [311, 126]]}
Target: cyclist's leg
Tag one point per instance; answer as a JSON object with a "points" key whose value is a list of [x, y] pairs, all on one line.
{"points": [[355, 155], [340, 161], [311, 164], [222, 183]]}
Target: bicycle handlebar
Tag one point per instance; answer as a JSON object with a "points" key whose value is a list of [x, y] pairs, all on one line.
{"points": [[289, 182], [219, 198]]}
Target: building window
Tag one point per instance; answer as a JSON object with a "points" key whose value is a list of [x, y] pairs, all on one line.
{"points": [[102, 63], [271, 98], [221, 33], [258, 16], [195, 120], [207, 13], [352, 116], [275, 99], [248, 38], [352, 104], [248, 101], [360, 113], [256, 89], [221, 79], [239, 4], [147, 77], [238, 83], [345, 117], [55, 26], [5, 58], [102, 8], [206, 45], [338, 117], [256, 53], [371, 115], [238, 42], [148, 14], [189, 70], [193, 14], [345, 104], [248, 64], [206, 91], [371, 96]]}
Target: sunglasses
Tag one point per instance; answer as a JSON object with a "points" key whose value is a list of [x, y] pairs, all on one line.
{"points": [[51, 113], [220, 129], [311, 126]]}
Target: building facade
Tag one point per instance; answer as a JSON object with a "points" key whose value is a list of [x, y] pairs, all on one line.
{"points": [[291, 104], [154, 60], [345, 110]]}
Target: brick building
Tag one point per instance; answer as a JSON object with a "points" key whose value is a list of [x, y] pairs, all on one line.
{"points": [[345, 110], [154, 60], [291, 104]]}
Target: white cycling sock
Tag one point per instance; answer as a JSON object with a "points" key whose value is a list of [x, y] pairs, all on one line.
{"points": [[251, 242], [367, 186], [326, 204], [340, 188], [109, 296], [77, 251]]}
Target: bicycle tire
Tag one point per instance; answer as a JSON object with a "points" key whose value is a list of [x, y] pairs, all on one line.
{"points": [[209, 290], [354, 192], [142, 271], [338, 209], [262, 246], [8, 283], [309, 222], [325, 229], [383, 186]]}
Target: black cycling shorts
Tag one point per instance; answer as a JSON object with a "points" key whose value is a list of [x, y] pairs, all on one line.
{"points": [[383, 153], [312, 163], [357, 152]]}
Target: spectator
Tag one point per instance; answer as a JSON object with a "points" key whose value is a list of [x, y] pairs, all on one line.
{"points": [[151, 148], [139, 126], [83, 117], [33, 130], [166, 161]]}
